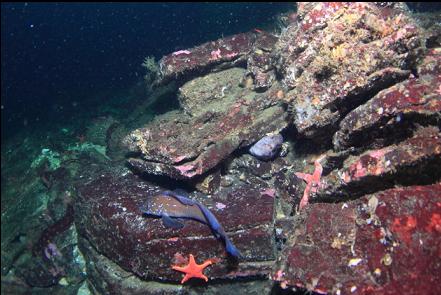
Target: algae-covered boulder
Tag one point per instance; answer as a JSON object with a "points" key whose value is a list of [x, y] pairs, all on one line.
{"points": [[183, 146], [382, 243], [338, 55]]}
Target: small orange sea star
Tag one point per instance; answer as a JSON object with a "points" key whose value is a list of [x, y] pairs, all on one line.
{"points": [[312, 181], [193, 270]]}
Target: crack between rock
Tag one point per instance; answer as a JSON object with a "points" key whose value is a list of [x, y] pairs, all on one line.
{"points": [[229, 234]]}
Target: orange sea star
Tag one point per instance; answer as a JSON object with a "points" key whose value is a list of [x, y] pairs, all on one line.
{"points": [[312, 181], [193, 270]]}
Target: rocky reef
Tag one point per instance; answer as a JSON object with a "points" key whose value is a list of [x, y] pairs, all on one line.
{"points": [[341, 110]]}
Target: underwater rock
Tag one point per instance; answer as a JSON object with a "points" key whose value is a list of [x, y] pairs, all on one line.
{"points": [[23, 197], [108, 216], [339, 55], [210, 183], [249, 165], [107, 277], [267, 147], [57, 228], [413, 161], [392, 114], [432, 27], [97, 130], [385, 243], [259, 63], [252, 50], [182, 146], [223, 53], [215, 87]]}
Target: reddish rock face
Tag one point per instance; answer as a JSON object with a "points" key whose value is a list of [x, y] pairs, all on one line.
{"points": [[340, 55], [392, 113], [384, 243], [108, 215], [412, 161], [252, 50], [220, 54]]}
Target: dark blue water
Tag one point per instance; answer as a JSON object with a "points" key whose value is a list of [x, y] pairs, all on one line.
{"points": [[55, 56]]}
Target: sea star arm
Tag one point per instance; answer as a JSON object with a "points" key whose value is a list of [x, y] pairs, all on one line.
{"points": [[305, 199], [306, 177], [312, 181]]}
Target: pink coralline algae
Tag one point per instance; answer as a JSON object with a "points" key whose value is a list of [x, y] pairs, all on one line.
{"points": [[270, 192], [181, 52], [232, 54], [220, 206], [371, 163], [188, 170], [216, 54], [312, 181]]}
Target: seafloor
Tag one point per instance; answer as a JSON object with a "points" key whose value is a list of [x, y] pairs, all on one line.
{"points": [[353, 88]]}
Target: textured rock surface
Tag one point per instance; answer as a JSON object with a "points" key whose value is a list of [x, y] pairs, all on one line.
{"points": [[412, 161], [339, 55], [393, 112], [108, 278], [386, 243], [259, 64], [210, 89], [220, 54], [108, 216], [429, 21], [184, 147]]}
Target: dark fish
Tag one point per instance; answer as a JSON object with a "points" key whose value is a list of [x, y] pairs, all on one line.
{"points": [[171, 206]]}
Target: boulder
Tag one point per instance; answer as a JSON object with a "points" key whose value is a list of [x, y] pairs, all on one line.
{"points": [[393, 113], [223, 53], [108, 216], [385, 243], [183, 146], [412, 161], [338, 55], [260, 66]]}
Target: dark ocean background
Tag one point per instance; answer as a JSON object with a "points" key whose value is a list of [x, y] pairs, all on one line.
{"points": [[57, 57]]}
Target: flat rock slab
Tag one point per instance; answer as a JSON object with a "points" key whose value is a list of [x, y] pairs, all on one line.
{"points": [[340, 54], [210, 90], [223, 53], [108, 216], [392, 112], [182, 147], [413, 161], [106, 277], [385, 243]]}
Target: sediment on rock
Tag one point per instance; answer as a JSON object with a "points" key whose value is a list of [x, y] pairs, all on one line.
{"points": [[340, 55]]}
